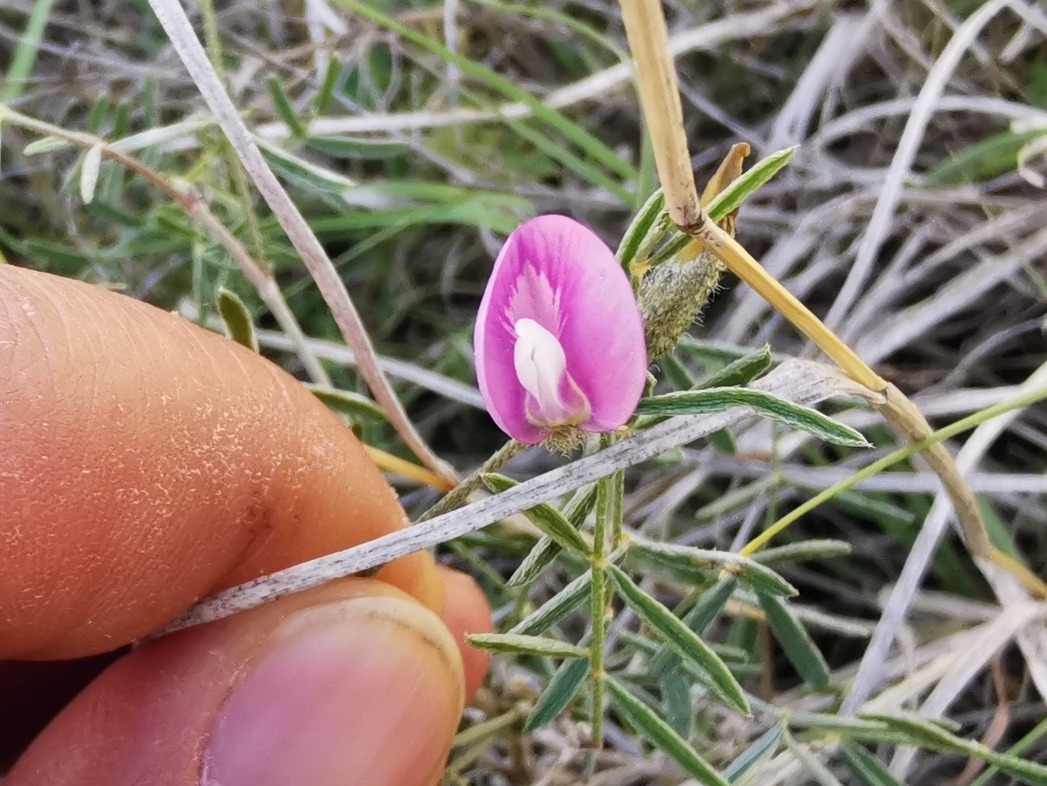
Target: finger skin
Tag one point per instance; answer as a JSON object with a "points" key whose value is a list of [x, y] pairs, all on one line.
{"points": [[28, 689], [147, 463], [33, 692], [207, 705], [467, 612]]}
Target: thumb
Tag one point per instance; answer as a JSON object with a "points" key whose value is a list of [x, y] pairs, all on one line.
{"points": [[353, 683]]}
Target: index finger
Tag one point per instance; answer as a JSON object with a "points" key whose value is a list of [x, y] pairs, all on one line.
{"points": [[146, 463]]}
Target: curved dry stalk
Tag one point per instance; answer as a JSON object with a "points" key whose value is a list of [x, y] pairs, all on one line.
{"points": [[180, 32], [870, 670], [890, 192], [660, 96]]}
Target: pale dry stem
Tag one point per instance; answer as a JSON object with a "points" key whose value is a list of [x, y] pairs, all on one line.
{"points": [[180, 32]]}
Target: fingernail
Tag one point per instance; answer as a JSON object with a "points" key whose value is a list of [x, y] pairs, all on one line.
{"points": [[364, 691]]}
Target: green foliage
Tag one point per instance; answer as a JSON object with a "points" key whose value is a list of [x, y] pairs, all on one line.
{"points": [[547, 518], [239, 325], [678, 637], [983, 160], [682, 640], [648, 724], [525, 645], [710, 400], [560, 691], [794, 639]]}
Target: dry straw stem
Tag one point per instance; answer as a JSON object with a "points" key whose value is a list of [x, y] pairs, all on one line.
{"points": [[649, 41], [267, 288], [1031, 637], [800, 381], [660, 97], [180, 32]]}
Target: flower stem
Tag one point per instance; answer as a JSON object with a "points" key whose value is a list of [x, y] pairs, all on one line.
{"points": [[607, 533], [460, 493]]}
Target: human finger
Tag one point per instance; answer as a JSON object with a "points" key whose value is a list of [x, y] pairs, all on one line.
{"points": [[147, 463], [352, 683]]}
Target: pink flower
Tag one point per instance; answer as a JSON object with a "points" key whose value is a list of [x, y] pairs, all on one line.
{"points": [[559, 341]]}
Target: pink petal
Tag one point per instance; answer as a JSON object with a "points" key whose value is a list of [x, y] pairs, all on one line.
{"points": [[494, 341], [601, 331], [560, 274]]}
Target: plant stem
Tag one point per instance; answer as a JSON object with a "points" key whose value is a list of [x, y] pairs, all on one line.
{"points": [[460, 493], [742, 264], [173, 19], [607, 535]]}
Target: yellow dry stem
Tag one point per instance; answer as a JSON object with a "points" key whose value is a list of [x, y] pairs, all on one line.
{"points": [[398, 466], [660, 98]]}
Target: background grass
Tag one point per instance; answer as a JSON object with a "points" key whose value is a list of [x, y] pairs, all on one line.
{"points": [[390, 131]]}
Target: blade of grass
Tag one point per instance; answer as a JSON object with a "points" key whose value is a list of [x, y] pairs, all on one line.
{"points": [[21, 65], [575, 133], [942, 434]]}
